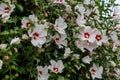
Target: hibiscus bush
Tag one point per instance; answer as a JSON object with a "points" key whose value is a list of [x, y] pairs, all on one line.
{"points": [[59, 40]]}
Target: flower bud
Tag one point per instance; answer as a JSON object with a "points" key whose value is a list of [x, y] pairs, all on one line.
{"points": [[113, 63], [25, 36], [6, 57]]}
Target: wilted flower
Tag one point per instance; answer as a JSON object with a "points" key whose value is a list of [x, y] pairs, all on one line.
{"points": [[42, 73], [112, 63], [56, 67], [25, 36], [16, 50], [67, 52], [3, 46], [15, 41]]}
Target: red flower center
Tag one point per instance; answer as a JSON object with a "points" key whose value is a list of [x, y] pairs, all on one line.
{"points": [[57, 39], [6, 9], [28, 24], [98, 37], [40, 73], [93, 71], [60, 0], [35, 36], [55, 69], [86, 35]]}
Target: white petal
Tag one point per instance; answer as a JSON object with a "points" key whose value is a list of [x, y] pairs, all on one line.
{"points": [[61, 31], [53, 63], [34, 42], [60, 65], [1, 63], [87, 59]]}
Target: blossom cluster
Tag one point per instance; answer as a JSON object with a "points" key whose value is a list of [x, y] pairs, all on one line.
{"points": [[78, 33], [55, 67]]}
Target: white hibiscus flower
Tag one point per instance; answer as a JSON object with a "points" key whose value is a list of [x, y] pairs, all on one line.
{"points": [[101, 37], [56, 67], [42, 73], [6, 10], [60, 25], [60, 40], [88, 34], [38, 35], [26, 23], [96, 72]]}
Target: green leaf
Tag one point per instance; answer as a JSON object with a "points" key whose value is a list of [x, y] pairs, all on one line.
{"points": [[36, 2], [20, 7], [61, 78]]}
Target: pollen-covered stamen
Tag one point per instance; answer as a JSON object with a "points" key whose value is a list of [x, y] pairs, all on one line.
{"points": [[6, 9], [55, 69], [28, 24], [35, 35], [86, 35], [98, 37], [93, 71]]}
